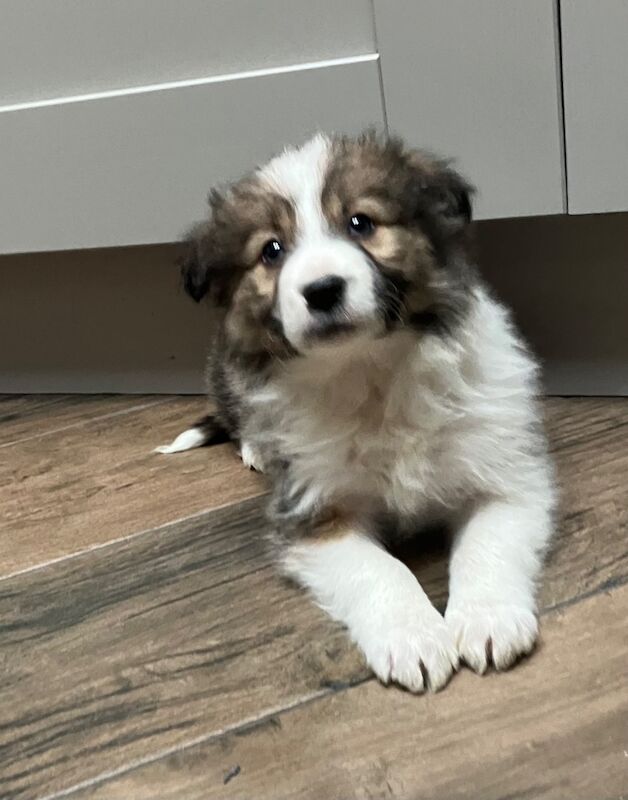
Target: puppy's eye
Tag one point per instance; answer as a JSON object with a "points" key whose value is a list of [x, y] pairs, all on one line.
{"points": [[272, 251], [360, 225]]}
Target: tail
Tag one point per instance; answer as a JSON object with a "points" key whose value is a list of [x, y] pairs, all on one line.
{"points": [[203, 433]]}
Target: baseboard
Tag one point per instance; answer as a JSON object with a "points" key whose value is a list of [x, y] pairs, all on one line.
{"points": [[116, 320]]}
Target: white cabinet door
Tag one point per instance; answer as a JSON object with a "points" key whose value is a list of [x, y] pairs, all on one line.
{"points": [[478, 80], [595, 79], [135, 168], [56, 48]]}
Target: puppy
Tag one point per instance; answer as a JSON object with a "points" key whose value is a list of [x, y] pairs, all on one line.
{"points": [[359, 361]]}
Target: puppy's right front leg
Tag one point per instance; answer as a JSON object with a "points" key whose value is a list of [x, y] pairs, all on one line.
{"points": [[387, 613]]}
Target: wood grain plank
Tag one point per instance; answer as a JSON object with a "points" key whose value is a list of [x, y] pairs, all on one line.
{"points": [[32, 415], [151, 643], [553, 728], [589, 442], [184, 632], [90, 484]]}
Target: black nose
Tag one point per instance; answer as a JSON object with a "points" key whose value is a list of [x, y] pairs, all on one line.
{"points": [[325, 294]]}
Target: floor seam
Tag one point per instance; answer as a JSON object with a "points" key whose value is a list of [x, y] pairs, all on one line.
{"points": [[130, 537], [603, 588], [204, 739], [80, 424], [248, 724]]}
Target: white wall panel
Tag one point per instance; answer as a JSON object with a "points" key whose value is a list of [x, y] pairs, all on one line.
{"points": [[477, 80], [595, 76], [135, 169], [55, 48]]}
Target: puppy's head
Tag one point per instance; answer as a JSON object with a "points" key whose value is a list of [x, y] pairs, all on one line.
{"points": [[337, 238]]}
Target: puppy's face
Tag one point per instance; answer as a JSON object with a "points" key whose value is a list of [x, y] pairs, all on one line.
{"points": [[338, 238]]}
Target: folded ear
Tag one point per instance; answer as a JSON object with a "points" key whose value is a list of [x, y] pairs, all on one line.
{"points": [[446, 197], [195, 262]]}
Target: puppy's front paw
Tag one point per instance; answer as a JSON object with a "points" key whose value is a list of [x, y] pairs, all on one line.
{"points": [[251, 457], [415, 650], [488, 634]]}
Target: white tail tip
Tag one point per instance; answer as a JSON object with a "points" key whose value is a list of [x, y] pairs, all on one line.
{"points": [[188, 440]]}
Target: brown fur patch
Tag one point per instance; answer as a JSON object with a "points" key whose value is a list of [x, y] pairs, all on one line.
{"points": [[400, 249], [222, 249], [248, 216], [419, 210], [331, 525], [248, 318], [226, 261]]}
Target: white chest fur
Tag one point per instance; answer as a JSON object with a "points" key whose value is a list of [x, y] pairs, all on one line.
{"points": [[371, 425], [408, 422]]}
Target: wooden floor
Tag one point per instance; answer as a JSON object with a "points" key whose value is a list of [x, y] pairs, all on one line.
{"points": [[148, 650]]}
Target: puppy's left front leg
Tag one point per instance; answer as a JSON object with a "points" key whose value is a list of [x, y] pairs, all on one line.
{"points": [[495, 562], [382, 604]]}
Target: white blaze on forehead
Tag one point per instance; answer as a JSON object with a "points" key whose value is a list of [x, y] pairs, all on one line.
{"points": [[298, 174]]}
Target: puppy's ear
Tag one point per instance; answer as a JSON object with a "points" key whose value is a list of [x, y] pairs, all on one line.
{"points": [[446, 197], [210, 264], [195, 263], [207, 266]]}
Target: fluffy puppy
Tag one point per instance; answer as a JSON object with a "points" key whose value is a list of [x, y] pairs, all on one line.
{"points": [[359, 361]]}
